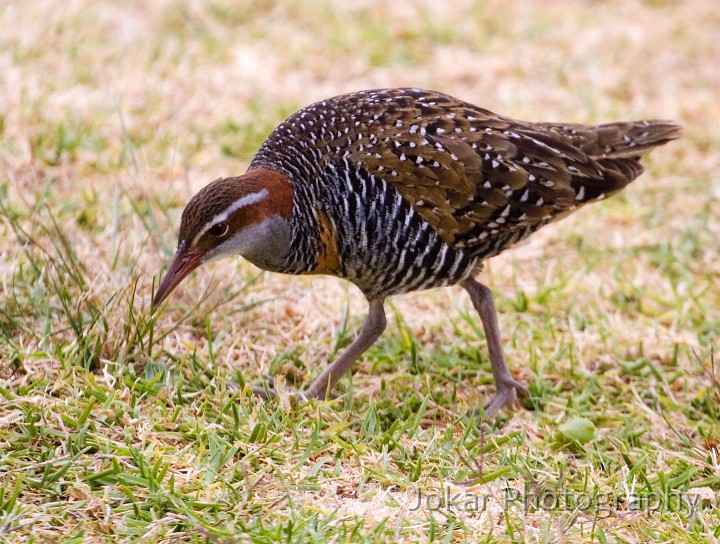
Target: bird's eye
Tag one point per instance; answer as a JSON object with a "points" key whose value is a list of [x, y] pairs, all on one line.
{"points": [[219, 229]]}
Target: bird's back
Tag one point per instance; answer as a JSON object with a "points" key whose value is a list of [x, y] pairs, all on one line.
{"points": [[401, 189]]}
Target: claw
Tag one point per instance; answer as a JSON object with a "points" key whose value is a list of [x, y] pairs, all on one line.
{"points": [[267, 391], [506, 394]]}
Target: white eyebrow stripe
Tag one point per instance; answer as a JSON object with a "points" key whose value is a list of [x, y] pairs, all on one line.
{"points": [[252, 198]]}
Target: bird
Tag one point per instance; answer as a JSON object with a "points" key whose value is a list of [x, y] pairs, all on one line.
{"points": [[405, 189]]}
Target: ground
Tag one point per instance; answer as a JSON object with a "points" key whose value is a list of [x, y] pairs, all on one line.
{"points": [[118, 424]]}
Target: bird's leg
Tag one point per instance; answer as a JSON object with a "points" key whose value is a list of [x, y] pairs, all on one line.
{"points": [[323, 385], [506, 386], [371, 330]]}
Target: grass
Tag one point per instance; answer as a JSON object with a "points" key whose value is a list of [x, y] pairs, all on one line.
{"points": [[120, 424]]}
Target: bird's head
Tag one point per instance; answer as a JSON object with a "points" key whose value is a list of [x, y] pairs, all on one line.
{"points": [[245, 215]]}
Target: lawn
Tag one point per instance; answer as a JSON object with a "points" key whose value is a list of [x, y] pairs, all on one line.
{"points": [[122, 424]]}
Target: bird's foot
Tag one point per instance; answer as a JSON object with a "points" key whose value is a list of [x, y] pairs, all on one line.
{"points": [[507, 392], [269, 391]]}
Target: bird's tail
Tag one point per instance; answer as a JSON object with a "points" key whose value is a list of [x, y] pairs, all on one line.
{"points": [[629, 139], [618, 146]]}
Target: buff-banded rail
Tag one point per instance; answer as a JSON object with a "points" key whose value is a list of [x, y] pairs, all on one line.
{"points": [[398, 190]]}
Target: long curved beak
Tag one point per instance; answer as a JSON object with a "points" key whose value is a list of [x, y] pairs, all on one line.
{"points": [[183, 263]]}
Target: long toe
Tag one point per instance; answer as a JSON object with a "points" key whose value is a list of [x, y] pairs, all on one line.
{"points": [[263, 393], [266, 391], [323, 396], [506, 394]]}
